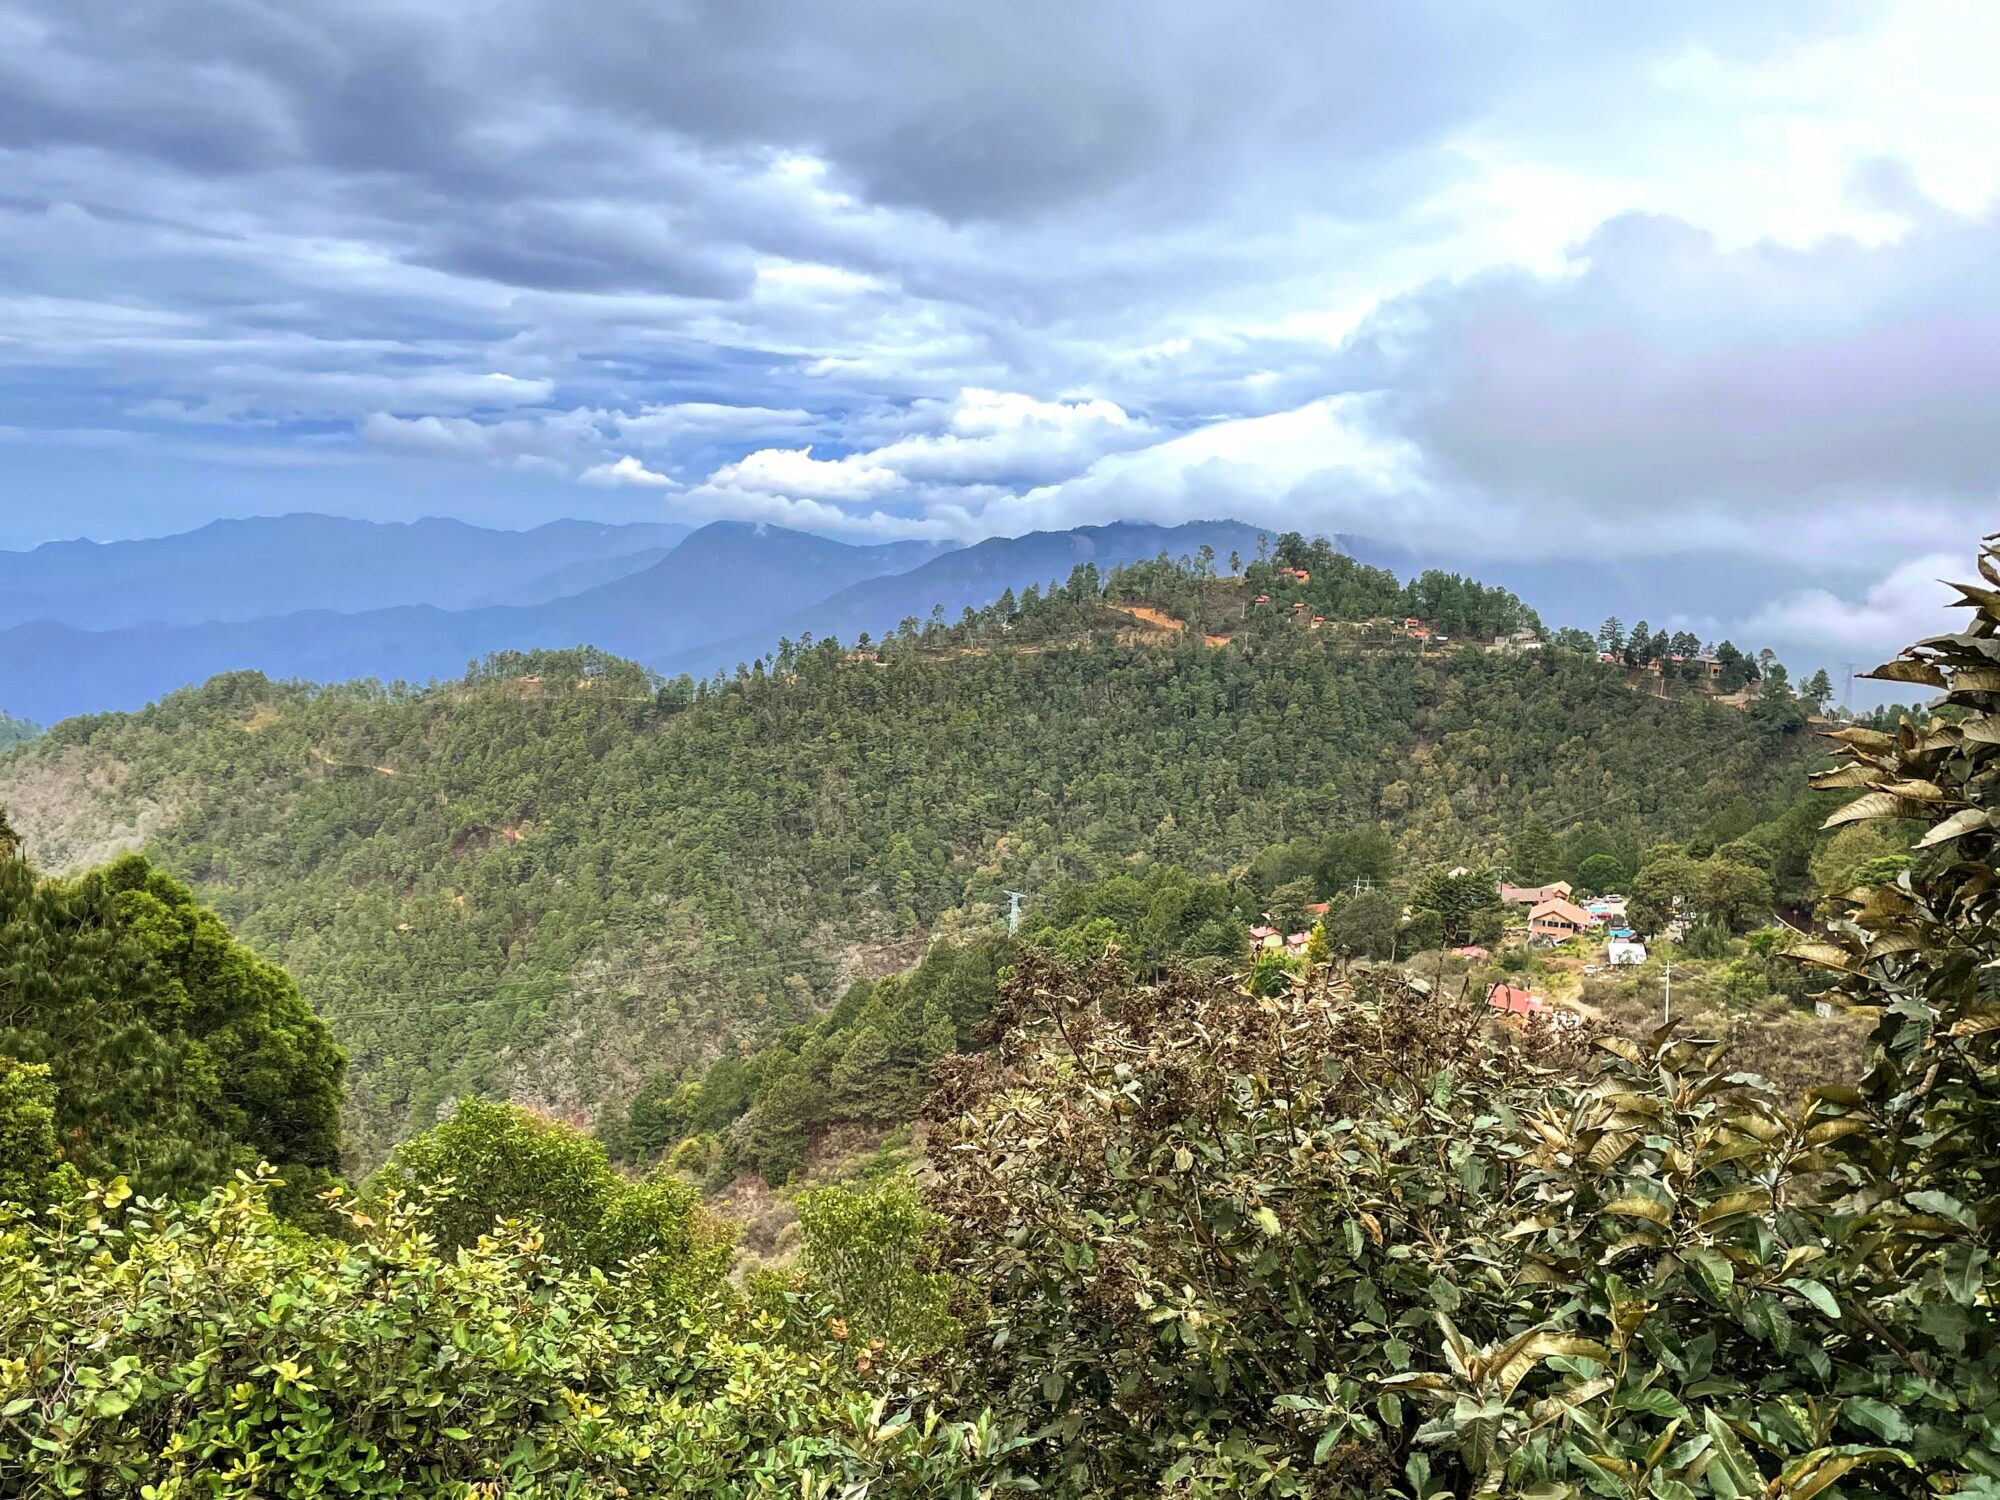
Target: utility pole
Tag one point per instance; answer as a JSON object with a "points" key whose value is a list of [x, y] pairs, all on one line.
{"points": [[1848, 702], [1014, 899], [1667, 1003]]}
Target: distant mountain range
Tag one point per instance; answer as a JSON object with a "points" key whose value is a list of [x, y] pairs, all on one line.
{"points": [[86, 627], [275, 565]]}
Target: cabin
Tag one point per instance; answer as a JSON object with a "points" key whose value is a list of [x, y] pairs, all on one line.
{"points": [[1558, 920], [1265, 937], [1261, 599], [1534, 895], [1317, 621], [1295, 944], [1411, 622], [1471, 951]]}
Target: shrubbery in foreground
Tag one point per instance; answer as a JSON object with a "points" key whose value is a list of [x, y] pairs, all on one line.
{"points": [[213, 1349]]}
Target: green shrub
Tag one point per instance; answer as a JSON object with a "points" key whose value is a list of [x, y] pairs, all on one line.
{"points": [[874, 1253], [173, 1351], [493, 1162], [1353, 1241]]}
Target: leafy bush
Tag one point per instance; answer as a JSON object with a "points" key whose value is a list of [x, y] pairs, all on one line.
{"points": [[492, 1162], [209, 1349], [873, 1251], [1347, 1241]]}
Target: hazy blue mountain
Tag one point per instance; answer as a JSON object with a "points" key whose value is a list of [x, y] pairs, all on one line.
{"points": [[269, 565], [971, 577], [725, 578], [573, 578]]}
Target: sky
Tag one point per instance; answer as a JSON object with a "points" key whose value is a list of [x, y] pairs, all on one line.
{"points": [[1706, 288]]}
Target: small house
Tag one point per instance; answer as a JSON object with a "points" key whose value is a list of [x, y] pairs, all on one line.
{"points": [[1558, 920], [1262, 599], [1265, 937]]}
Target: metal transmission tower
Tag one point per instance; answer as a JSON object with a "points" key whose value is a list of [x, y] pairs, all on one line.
{"points": [[1014, 900]]}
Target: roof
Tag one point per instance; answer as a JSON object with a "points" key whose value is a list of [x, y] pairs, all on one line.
{"points": [[1260, 933], [1557, 909], [1533, 895], [1471, 950], [1515, 1002], [1319, 908]]}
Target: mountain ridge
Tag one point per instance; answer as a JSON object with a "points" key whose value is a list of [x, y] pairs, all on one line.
{"points": [[721, 593], [246, 568]]}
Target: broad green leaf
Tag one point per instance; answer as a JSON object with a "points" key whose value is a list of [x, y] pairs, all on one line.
{"points": [[1877, 1418]]}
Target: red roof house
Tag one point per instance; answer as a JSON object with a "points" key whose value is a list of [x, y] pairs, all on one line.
{"points": [[1516, 1002]]}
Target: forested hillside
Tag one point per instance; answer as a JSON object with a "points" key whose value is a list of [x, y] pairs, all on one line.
{"points": [[560, 876], [1310, 1229]]}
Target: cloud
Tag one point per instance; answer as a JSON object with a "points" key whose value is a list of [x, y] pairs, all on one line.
{"points": [[883, 271], [546, 436], [794, 471], [1005, 437], [626, 471], [1664, 369], [1905, 605], [708, 420]]}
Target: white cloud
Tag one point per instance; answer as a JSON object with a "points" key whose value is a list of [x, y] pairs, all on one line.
{"points": [[548, 436], [710, 420], [1008, 438], [1317, 467], [626, 471], [795, 472], [249, 391], [1906, 605]]}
